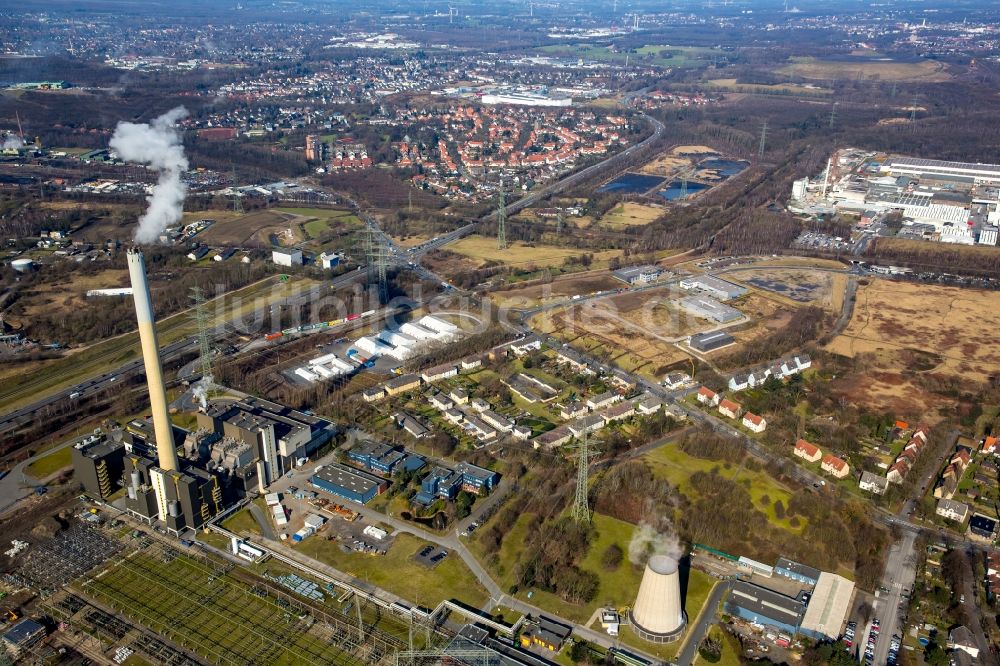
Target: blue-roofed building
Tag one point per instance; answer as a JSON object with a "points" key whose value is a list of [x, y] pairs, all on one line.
{"points": [[477, 479], [22, 636], [797, 572], [384, 459], [441, 482], [347, 482], [762, 606]]}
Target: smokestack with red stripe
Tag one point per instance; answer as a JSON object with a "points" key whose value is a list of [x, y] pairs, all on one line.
{"points": [[165, 449]]}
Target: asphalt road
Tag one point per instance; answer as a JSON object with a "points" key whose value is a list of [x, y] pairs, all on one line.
{"points": [[696, 633], [900, 571]]}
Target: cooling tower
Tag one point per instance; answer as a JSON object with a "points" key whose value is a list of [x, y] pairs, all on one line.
{"points": [[658, 614], [165, 449]]}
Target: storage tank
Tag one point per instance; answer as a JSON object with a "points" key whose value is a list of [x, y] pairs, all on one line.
{"points": [[658, 613], [22, 265]]}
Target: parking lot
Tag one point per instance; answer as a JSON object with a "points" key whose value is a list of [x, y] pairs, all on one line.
{"points": [[430, 556]]}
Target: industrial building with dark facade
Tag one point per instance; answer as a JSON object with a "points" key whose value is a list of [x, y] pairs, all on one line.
{"points": [[348, 482]]}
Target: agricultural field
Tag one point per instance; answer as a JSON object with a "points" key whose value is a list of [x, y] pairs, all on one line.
{"points": [[482, 249], [773, 88], [399, 572], [886, 70], [207, 610], [905, 329], [661, 55]]}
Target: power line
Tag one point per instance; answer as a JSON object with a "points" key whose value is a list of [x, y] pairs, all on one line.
{"points": [[501, 220], [237, 199], [581, 506], [833, 114], [200, 315], [763, 139]]}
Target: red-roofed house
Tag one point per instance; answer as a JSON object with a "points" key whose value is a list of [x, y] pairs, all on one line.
{"points": [[754, 422], [922, 432], [729, 408], [898, 471], [991, 446], [707, 396], [833, 465], [807, 451]]}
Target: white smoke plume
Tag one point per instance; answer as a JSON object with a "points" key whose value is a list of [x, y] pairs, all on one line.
{"points": [[12, 142], [157, 145], [648, 541], [200, 391]]}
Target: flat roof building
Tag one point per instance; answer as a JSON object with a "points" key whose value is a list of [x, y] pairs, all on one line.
{"points": [[796, 571], [717, 287], [709, 308], [344, 481], [638, 274], [765, 607], [828, 607], [706, 342]]}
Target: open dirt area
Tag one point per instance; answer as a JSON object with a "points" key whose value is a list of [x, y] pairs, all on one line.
{"points": [[735, 84], [665, 166], [482, 249], [631, 215], [71, 295], [252, 229], [904, 330], [812, 68], [796, 286], [527, 295]]}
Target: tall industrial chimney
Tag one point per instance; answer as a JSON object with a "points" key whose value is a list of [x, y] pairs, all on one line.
{"points": [[165, 449], [658, 614]]}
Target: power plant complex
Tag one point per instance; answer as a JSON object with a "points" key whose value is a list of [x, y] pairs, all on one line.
{"points": [[237, 449], [658, 613]]}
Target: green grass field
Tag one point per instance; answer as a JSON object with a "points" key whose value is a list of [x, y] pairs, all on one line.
{"points": [[661, 55], [50, 463], [399, 573], [677, 467], [208, 612], [242, 521]]}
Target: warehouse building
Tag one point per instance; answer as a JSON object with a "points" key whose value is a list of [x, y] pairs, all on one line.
{"points": [[706, 342], [713, 286], [797, 572], [347, 482], [829, 604], [709, 308], [638, 274], [765, 607], [22, 636], [286, 257]]}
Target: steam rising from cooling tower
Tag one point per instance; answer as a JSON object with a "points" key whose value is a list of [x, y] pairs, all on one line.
{"points": [[12, 142], [165, 449], [157, 145]]}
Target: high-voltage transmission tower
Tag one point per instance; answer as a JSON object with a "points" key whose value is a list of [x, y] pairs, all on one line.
{"points": [[559, 223], [581, 506], [501, 220], [833, 114], [763, 139], [201, 316], [377, 260], [237, 199]]}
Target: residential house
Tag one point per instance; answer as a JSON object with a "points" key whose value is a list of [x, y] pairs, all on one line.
{"points": [[754, 423], [833, 465], [991, 446], [439, 372], [374, 393], [459, 395], [402, 384], [618, 412], [807, 451], [739, 382], [649, 405], [573, 410], [961, 639], [897, 471], [605, 399], [952, 510], [873, 483], [441, 402], [675, 380], [471, 363], [479, 404], [707, 396], [729, 408]]}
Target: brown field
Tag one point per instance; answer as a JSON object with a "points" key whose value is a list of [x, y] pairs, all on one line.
{"points": [[71, 295], [527, 295], [768, 314], [482, 249], [812, 68], [734, 84], [252, 229], [665, 166], [630, 214], [811, 287], [904, 330]]}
